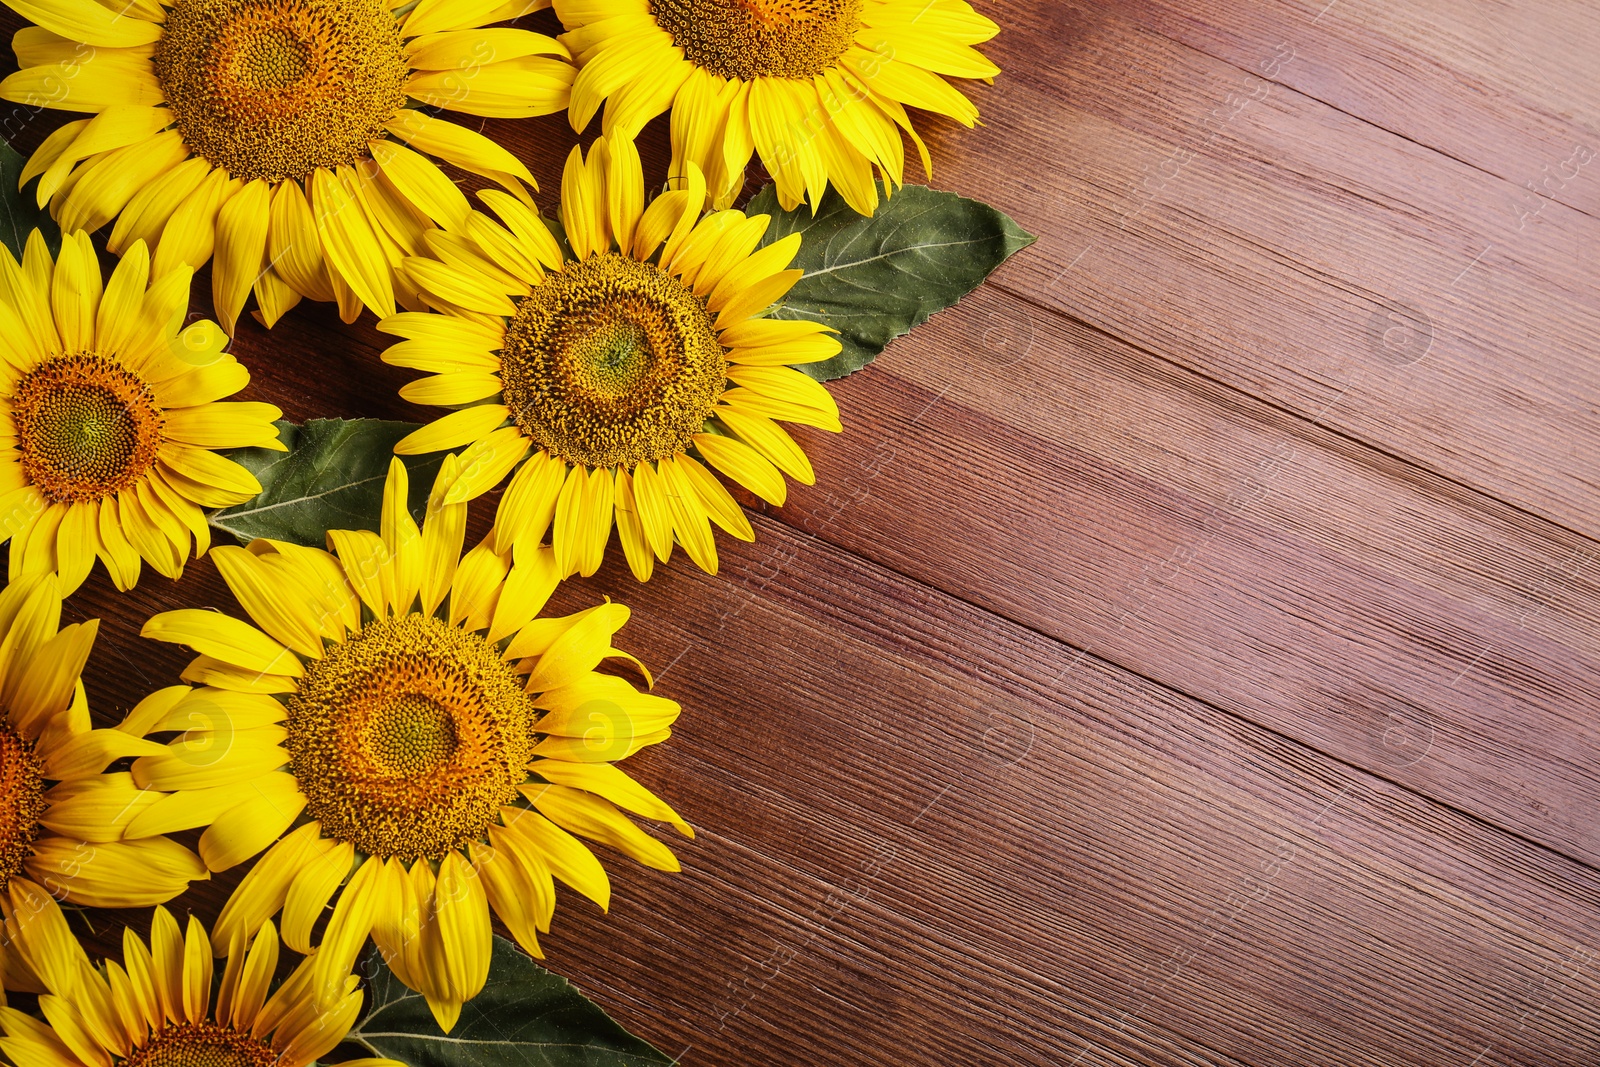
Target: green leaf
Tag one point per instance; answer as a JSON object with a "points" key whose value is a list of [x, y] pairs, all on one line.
{"points": [[330, 479], [873, 279], [19, 210], [524, 1016]]}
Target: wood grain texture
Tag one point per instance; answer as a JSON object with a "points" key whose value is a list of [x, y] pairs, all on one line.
{"points": [[1189, 651]]}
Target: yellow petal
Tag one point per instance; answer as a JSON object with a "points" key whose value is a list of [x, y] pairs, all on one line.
{"points": [[122, 300], [230, 482], [228, 639], [757, 297], [402, 537], [275, 298], [105, 79], [613, 784], [102, 187], [248, 827], [513, 88], [565, 855], [146, 214], [97, 808], [606, 70], [293, 246], [772, 441], [457, 145], [422, 183], [365, 560], [260, 894], [195, 807], [347, 931], [459, 287], [690, 521], [323, 870], [196, 970], [465, 49], [738, 275], [349, 242], [597, 819], [444, 529], [452, 388], [744, 465], [241, 249], [569, 529], [75, 292], [84, 20], [118, 874], [526, 590], [507, 251], [624, 189], [445, 330], [630, 531], [40, 686], [508, 888], [583, 202], [190, 235], [529, 228], [463, 918], [650, 498], [786, 384], [732, 253], [453, 430], [751, 402], [596, 517], [579, 649], [720, 506], [244, 424], [255, 977], [529, 502]]}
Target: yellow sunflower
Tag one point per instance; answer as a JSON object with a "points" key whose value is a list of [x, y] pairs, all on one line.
{"points": [[817, 88], [159, 1007], [621, 368], [402, 723], [110, 409], [61, 819], [274, 132]]}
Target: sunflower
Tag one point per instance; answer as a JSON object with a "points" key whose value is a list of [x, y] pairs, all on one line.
{"points": [[817, 88], [402, 726], [61, 819], [274, 132], [110, 411], [159, 1007], [621, 367]]}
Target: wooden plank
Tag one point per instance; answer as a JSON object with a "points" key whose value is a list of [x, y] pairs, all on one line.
{"points": [[1502, 87], [931, 836], [1281, 246], [1234, 552]]}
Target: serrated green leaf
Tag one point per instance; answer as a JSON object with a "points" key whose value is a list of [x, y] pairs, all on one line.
{"points": [[873, 279], [19, 209], [330, 479], [525, 1017]]}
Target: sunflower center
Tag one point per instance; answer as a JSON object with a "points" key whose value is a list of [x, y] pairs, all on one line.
{"points": [[271, 59], [277, 88], [747, 39], [21, 802], [86, 427], [612, 362], [411, 735], [201, 1045], [408, 737]]}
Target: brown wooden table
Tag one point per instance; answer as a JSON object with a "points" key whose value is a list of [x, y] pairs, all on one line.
{"points": [[1189, 653]]}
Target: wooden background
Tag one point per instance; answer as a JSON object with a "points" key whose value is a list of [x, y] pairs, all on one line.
{"points": [[1189, 652]]}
